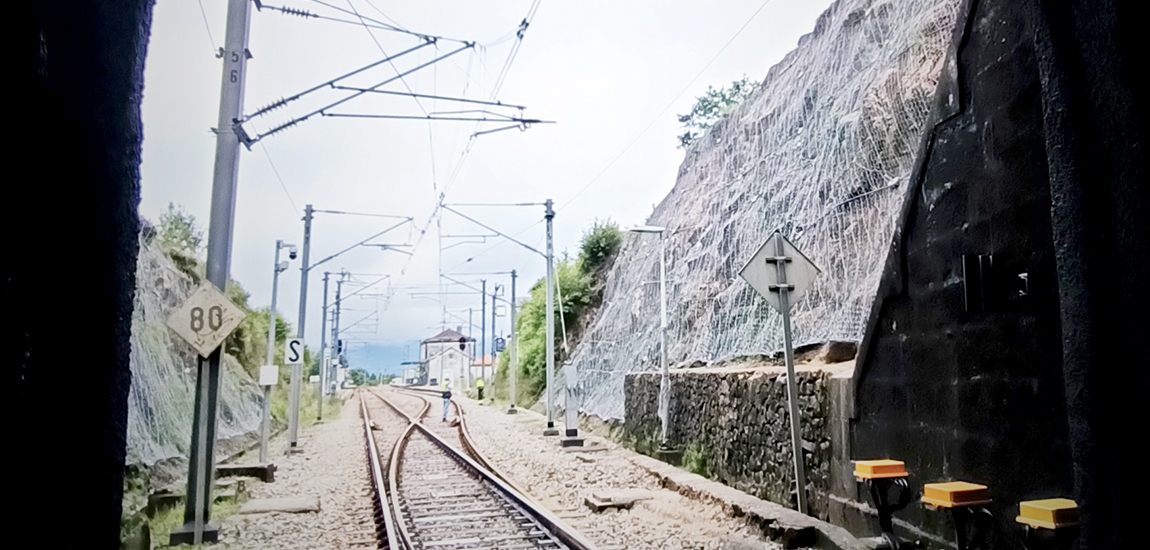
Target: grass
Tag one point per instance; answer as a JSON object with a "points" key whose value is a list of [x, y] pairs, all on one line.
{"points": [[695, 460], [308, 404], [163, 523]]}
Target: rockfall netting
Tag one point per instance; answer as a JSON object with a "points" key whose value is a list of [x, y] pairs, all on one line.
{"points": [[160, 403], [823, 151]]}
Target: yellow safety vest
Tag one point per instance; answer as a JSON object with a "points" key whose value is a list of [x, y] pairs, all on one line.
{"points": [[479, 383]]}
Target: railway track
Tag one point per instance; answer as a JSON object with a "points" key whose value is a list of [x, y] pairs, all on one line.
{"points": [[434, 490]]}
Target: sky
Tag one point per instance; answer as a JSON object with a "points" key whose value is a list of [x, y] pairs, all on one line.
{"points": [[611, 75]]}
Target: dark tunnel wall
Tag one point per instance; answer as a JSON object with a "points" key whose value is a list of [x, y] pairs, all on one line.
{"points": [[961, 375], [74, 79]]}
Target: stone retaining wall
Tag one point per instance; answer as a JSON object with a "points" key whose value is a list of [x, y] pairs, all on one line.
{"points": [[734, 427]]}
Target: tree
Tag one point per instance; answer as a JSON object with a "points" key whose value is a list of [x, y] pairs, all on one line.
{"points": [[600, 243], [358, 376], [712, 107], [179, 232]]}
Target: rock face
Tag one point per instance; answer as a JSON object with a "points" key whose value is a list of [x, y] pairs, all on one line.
{"points": [[822, 151], [164, 377], [735, 427]]}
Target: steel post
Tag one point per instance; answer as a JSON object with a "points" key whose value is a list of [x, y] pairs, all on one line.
{"points": [[513, 363], [483, 330], [265, 421], [550, 344], [792, 383], [322, 350], [335, 358], [665, 380], [197, 511], [293, 401]]}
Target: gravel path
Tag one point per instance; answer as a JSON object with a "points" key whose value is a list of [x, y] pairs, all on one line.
{"points": [[561, 480], [333, 467]]}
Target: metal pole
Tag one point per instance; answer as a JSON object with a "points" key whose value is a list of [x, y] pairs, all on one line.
{"points": [[514, 359], [483, 330], [665, 381], [494, 294], [792, 385], [265, 421], [550, 345], [197, 511], [335, 330], [296, 370], [322, 350]]}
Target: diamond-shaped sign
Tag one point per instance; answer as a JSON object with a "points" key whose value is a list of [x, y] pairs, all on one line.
{"points": [[206, 318], [762, 271]]}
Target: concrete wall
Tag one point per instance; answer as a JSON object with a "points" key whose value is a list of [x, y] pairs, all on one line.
{"points": [[737, 420], [959, 374]]}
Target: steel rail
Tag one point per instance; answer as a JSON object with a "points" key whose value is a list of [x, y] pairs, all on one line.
{"points": [[385, 526], [475, 461]]}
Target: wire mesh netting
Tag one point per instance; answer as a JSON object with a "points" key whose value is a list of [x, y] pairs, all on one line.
{"points": [[822, 151], [160, 403]]}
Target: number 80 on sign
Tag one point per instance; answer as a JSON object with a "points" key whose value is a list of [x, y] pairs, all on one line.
{"points": [[206, 319]]}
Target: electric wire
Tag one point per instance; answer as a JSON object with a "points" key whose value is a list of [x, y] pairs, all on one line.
{"points": [[276, 171], [665, 109], [207, 26]]}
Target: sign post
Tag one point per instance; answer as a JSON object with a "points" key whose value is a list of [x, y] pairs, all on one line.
{"points": [[204, 320], [782, 275], [293, 355]]}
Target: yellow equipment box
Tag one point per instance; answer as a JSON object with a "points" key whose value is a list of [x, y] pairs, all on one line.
{"points": [[1050, 513], [955, 494], [879, 469]]}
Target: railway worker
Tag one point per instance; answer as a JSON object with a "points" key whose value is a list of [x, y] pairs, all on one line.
{"points": [[445, 386], [479, 387]]}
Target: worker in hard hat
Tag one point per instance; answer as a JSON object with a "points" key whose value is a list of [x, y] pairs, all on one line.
{"points": [[479, 387], [445, 387]]}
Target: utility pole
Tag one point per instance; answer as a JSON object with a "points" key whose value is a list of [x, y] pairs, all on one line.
{"points": [[335, 329], [550, 430], [296, 370], [265, 422], [513, 364], [494, 293], [322, 351], [483, 330], [197, 511]]}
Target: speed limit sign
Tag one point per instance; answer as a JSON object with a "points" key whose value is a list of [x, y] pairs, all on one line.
{"points": [[206, 319]]}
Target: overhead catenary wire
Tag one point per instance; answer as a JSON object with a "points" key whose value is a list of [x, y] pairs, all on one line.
{"points": [[207, 26], [354, 95], [665, 109], [519, 33], [295, 209]]}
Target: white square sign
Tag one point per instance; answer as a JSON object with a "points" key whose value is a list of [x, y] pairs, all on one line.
{"points": [[269, 375], [293, 351]]}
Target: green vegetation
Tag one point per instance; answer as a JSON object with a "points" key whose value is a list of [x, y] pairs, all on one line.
{"points": [[580, 291], [712, 107], [695, 460], [180, 238], [162, 524]]}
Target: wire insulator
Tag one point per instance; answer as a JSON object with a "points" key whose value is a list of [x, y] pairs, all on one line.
{"points": [[298, 12], [270, 107]]}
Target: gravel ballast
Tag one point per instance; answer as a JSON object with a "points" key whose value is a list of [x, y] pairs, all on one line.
{"points": [[332, 468], [561, 480]]}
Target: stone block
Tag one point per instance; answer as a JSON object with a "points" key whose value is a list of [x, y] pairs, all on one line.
{"points": [[265, 472], [287, 505]]}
